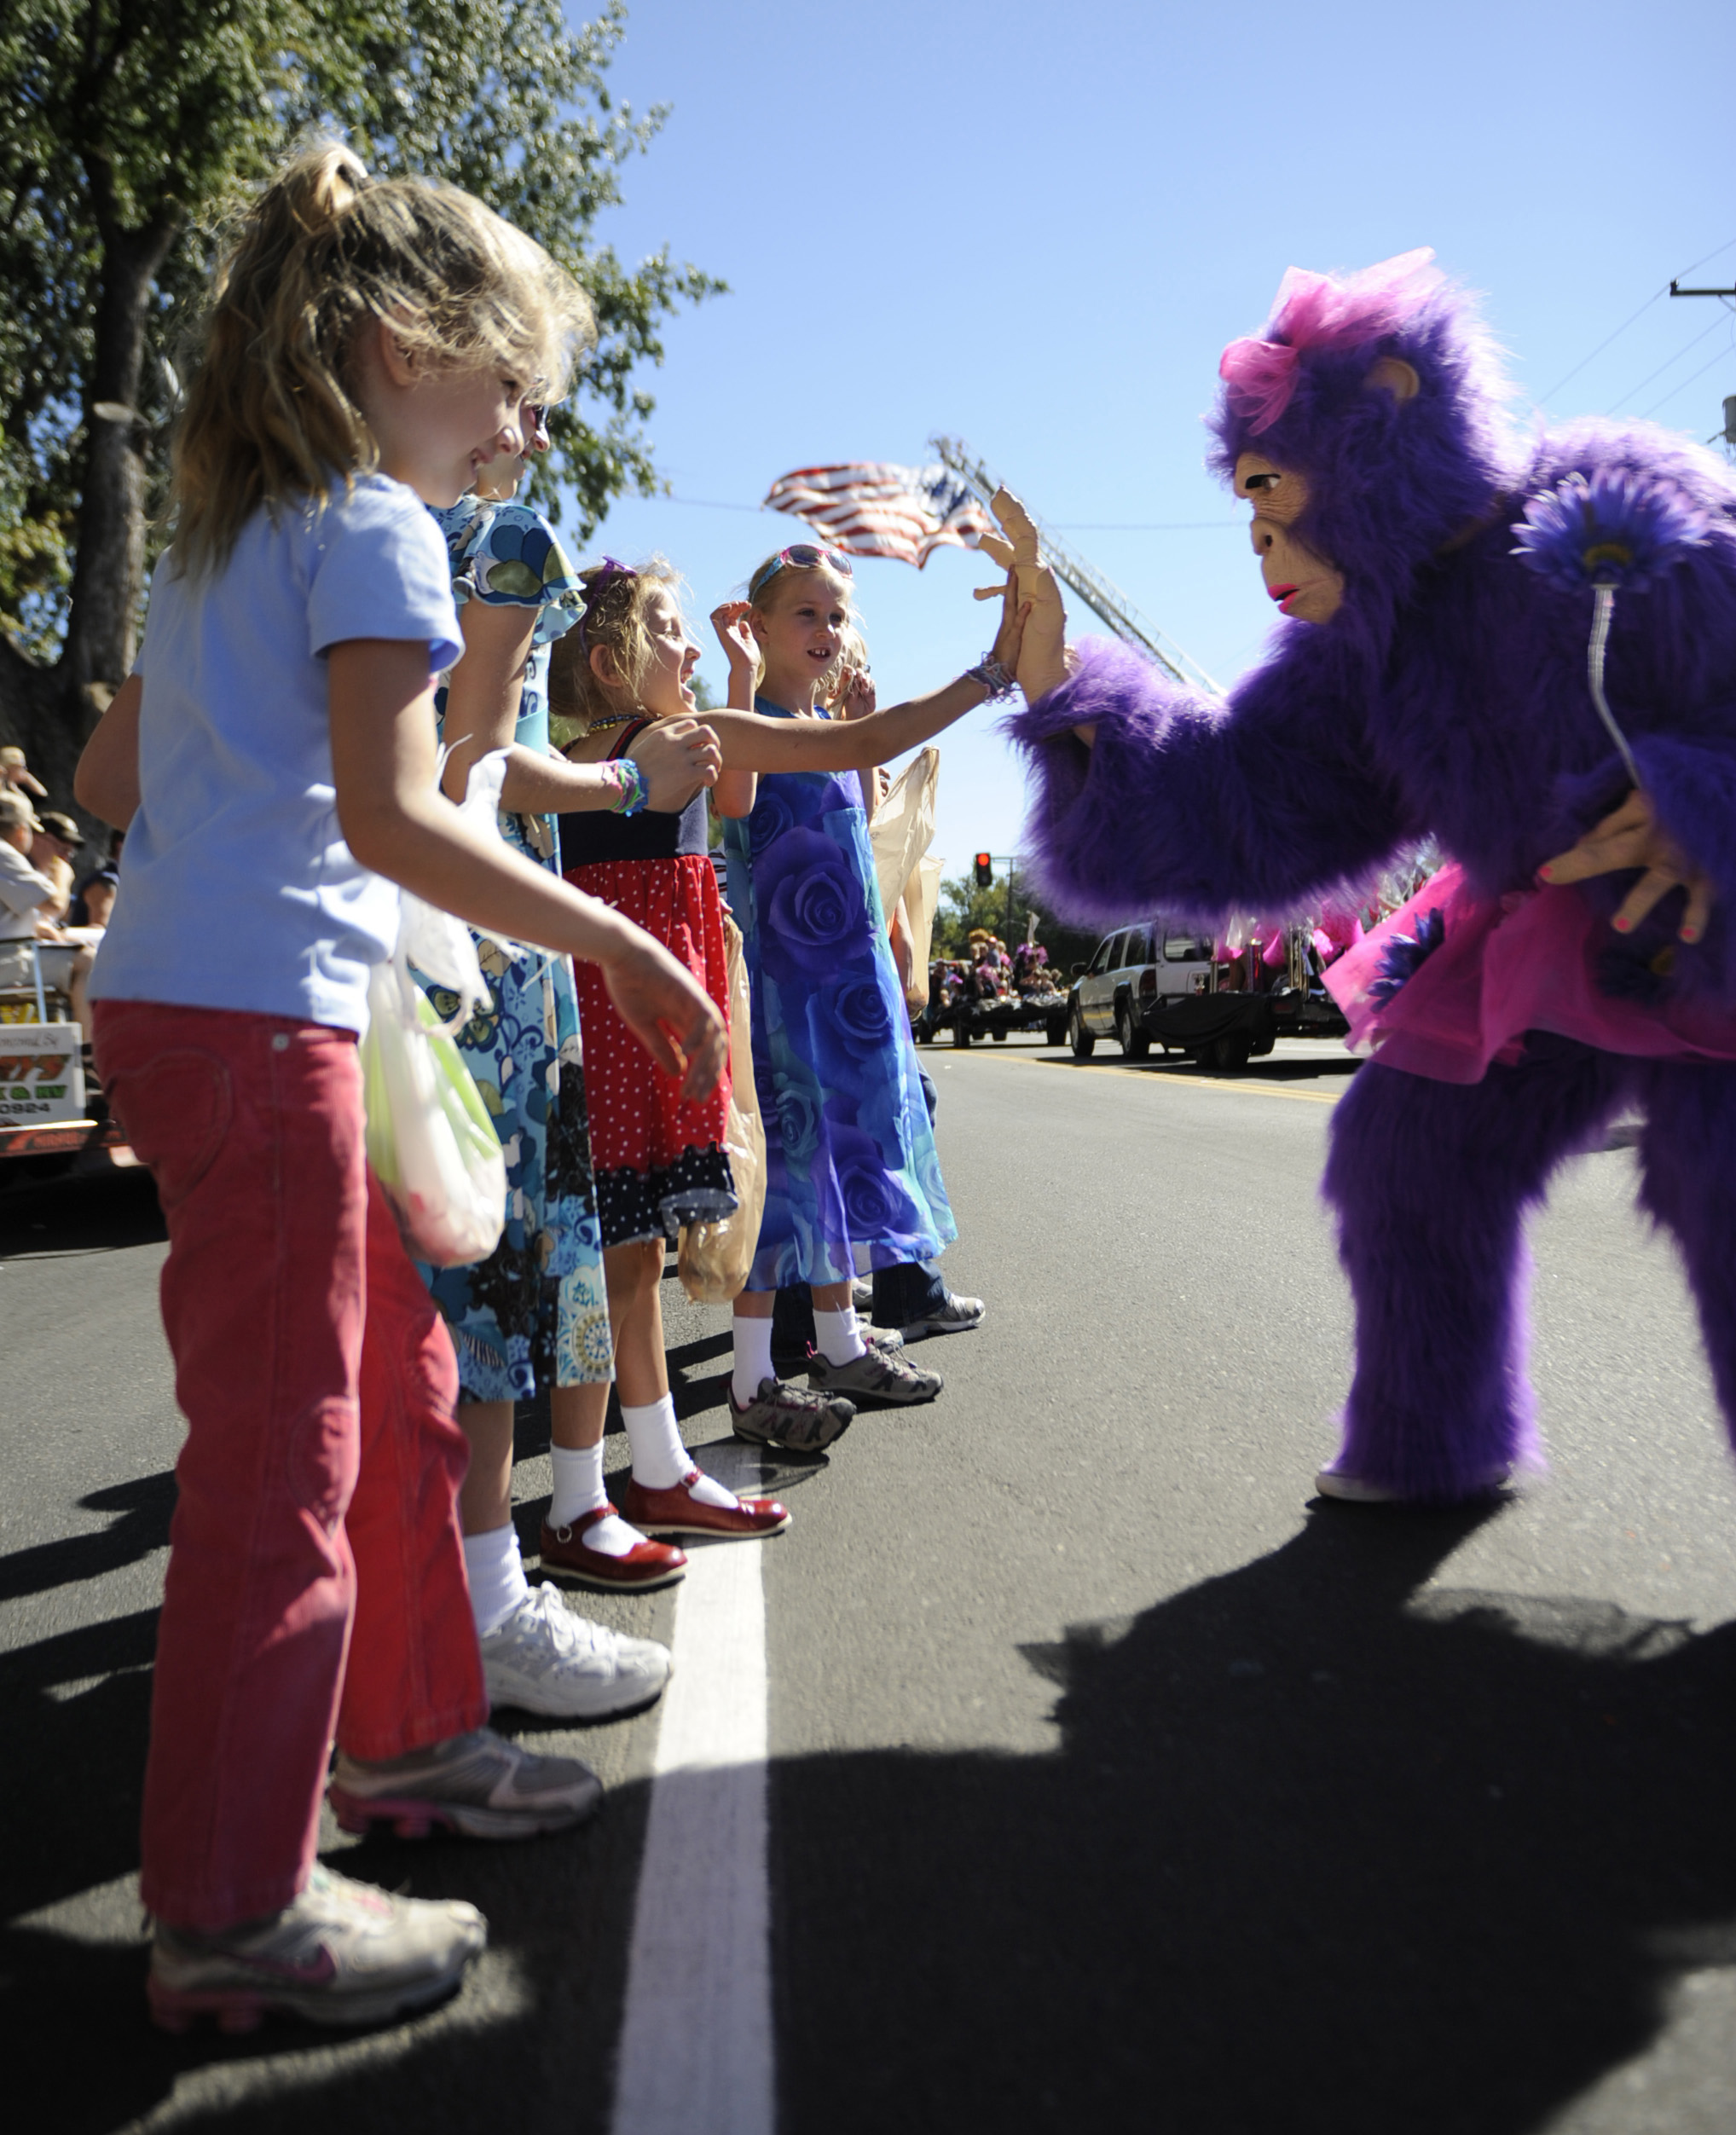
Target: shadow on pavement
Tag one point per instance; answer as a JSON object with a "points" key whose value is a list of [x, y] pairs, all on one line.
{"points": [[1317, 1851], [104, 1212]]}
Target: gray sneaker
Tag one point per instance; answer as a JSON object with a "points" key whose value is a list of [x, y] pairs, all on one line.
{"points": [[956, 1316], [885, 1375], [862, 1296], [790, 1416], [341, 1953], [544, 1658], [479, 1784]]}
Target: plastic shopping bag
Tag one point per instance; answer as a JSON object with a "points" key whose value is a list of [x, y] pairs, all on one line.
{"points": [[903, 827], [715, 1259], [429, 1140]]}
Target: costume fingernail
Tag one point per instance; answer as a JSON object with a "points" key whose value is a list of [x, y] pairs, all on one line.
{"points": [[1690, 933], [1546, 874], [1622, 926]]}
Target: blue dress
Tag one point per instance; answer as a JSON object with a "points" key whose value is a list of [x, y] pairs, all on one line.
{"points": [[850, 1155], [536, 1313]]}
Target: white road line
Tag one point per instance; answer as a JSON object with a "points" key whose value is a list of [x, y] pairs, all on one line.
{"points": [[696, 2055]]}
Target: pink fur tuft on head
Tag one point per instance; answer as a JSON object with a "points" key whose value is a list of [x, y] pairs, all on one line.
{"points": [[1314, 311]]}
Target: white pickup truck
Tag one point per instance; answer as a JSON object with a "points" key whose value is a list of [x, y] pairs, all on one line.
{"points": [[1158, 983]]}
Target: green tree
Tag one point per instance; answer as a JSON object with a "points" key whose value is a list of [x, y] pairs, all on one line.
{"points": [[127, 128]]}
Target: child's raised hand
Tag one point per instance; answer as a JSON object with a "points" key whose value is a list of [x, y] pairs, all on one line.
{"points": [[1031, 600], [858, 697], [735, 634], [677, 756]]}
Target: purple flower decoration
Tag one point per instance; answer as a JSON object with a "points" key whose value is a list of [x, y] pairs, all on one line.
{"points": [[1618, 528], [1405, 955]]}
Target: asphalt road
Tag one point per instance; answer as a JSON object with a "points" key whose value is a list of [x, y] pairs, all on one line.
{"points": [[1110, 1777]]}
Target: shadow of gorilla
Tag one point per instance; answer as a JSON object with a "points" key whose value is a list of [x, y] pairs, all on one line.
{"points": [[1319, 1849]]}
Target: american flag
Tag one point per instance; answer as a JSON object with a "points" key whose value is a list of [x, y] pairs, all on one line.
{"points": [[872, 508]]}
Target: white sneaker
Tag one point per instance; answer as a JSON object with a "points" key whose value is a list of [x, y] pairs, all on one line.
{"points": [[956, 1316], [342, 1953], [544, 1658]]}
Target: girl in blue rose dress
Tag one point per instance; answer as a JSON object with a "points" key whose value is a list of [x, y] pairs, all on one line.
{"points": [[853, 1178]]}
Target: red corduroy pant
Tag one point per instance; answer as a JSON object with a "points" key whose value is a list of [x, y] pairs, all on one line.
{"points": [[315, 1582]]}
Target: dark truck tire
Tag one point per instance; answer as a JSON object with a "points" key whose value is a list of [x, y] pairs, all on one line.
{"points": [[1135, 1043], [1055, 1031], [961, 1031], [1083, 1042], [1231, 1052]]}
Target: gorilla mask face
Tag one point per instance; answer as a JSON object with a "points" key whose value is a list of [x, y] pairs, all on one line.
{"points": [[1303, 584]]}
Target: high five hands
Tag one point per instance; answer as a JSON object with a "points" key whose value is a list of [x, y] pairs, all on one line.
{"points": [[1634, 837], [1042, 655]]}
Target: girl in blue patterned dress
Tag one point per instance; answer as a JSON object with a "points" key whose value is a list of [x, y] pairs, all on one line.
{"points": [[534, 1316], [853, 1178]]}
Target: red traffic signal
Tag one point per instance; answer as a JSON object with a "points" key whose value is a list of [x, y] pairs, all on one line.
{"points": [[984, 869]]}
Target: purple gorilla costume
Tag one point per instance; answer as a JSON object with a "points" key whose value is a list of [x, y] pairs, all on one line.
{"points": [[1448, 696]]}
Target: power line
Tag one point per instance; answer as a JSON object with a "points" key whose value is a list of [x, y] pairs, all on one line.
{"points": [[1722, 356], [1663, 366], [1628, 322]]}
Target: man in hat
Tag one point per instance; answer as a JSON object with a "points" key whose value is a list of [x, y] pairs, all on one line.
{"points": [[30, 901]]}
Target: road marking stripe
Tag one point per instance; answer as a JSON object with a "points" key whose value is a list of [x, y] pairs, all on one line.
{"points": [[696, 2054], [1161, 1079]]}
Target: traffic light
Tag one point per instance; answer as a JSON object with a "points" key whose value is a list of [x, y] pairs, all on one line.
{"points": [[984, 869]]}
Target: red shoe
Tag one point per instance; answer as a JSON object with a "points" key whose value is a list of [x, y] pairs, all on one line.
{"points": [[646, 1565], [676, 1511]]}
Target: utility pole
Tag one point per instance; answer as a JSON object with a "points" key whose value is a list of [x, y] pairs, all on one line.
{"points": [[1098, 595], [1726, 436]]}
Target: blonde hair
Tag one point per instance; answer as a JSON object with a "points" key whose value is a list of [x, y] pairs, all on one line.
{"points": [[616, 605], [852, 659], [271, 413]]}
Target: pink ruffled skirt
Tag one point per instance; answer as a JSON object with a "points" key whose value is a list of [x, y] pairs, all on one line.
{"points": [[1505, 965]]}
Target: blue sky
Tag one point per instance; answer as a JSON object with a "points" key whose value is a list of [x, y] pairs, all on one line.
{"points": [[1036, 226]]}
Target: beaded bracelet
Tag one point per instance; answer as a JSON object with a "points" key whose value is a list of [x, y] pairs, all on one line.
{"points": [[631, 792], [997, 680]]}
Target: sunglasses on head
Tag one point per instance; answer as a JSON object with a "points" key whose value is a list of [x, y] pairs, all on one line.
{"points": [[805, 556]]}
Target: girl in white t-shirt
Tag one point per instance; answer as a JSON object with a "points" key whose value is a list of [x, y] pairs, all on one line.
{"points": [[370, 345]]}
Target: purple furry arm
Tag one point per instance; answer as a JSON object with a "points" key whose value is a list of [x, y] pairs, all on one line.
{"points": [[1193, 809]]}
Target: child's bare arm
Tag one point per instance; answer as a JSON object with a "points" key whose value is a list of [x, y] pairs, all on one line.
{"points": [[107, 781], [395, 821]]}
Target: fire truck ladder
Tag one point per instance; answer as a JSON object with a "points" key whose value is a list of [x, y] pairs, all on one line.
{"points": [[1103, 599]]}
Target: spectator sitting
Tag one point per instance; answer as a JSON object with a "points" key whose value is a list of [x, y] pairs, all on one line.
{"points": [[29, 902], [56, 840], [93, 898]]}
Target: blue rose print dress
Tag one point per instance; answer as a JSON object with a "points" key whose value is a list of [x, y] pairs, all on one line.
{"points": [[850, 1155], [535, 1314]]}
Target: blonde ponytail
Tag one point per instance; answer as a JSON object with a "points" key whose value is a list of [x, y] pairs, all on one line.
{"points": [[325, 249]]}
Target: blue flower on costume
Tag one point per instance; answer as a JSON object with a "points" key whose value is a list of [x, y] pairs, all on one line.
{"points": [[1405, 955], [1618, 528]]}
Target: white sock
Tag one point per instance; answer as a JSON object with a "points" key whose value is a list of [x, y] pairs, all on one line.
{"points": [[753, 1358], [837, 1336], [496, 1575], [660, 1460], [578, 1489], [654, 1438], [578, 1483]]}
